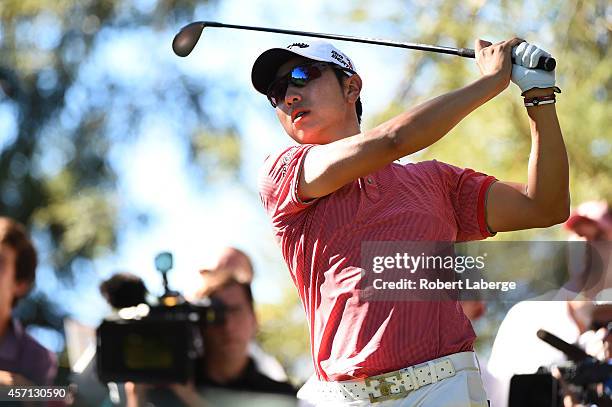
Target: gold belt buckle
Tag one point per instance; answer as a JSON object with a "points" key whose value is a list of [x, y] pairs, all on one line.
{"points": [[386, 388]]}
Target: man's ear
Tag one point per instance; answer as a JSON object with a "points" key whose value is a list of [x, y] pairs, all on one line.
{"points": [[22, 288], [353, 88]]}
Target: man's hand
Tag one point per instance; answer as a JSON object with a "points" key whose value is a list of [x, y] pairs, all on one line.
{"points": [[13, 379], [526, 57], [495, 60], [570, 399], [188, 394], [137, 394]]}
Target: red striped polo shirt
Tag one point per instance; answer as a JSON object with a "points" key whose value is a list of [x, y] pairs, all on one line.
{"points": [[321, 244]]}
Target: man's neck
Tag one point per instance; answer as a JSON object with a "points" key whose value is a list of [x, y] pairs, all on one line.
{"points": [[223, 370], [351, 129]]}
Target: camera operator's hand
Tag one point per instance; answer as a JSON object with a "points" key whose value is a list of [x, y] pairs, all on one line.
{"points": [[13, 379], [137, 394], [570, 398], [188, 394]]}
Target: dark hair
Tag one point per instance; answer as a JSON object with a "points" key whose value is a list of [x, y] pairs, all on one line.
{"points": [[220, 281], [14, 235], [124, 290], [340, 75]]}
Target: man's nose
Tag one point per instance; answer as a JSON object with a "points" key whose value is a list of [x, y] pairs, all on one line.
{"points": [[292, 95], [231, 324]]}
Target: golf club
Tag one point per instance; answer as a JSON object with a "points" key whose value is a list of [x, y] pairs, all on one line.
{"points": [[187, 38]]}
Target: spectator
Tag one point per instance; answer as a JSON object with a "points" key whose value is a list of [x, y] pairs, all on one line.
{"points": [[235, 262], [227, 363], [23, 361], [231, 362]]}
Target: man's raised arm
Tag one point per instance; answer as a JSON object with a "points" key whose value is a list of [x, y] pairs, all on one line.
{"points": [[544, 201], [328, 167]]}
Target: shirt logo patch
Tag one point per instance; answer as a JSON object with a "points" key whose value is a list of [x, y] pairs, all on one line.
{"points": [[286, 160]]}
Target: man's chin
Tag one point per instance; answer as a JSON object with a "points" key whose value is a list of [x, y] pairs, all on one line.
{"points": [[307, 136], [231, 350], [232, 345]]}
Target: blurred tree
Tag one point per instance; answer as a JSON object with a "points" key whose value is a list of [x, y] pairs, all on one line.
{"points": [[64, 107], [284, 334], [79, 80]]}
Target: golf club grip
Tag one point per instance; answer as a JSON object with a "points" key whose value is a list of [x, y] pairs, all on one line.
{"points": [[544, 63]]}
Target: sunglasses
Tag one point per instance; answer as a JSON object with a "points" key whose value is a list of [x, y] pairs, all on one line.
{"points": [[299, 76]]}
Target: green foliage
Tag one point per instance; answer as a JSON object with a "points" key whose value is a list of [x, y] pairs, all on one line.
{"points": [[217, 153], [282, 331]]}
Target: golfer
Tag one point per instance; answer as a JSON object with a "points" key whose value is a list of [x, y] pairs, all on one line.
{"points": [[339, 187]]}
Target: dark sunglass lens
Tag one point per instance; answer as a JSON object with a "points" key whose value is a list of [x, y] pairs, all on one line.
{"points": [[277, 91], [299, 76]]}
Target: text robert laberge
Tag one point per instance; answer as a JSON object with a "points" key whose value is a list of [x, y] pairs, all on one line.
{"points": [[437, 284]]}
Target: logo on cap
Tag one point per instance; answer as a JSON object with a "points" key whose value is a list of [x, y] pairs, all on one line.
{"points": [[298, 44], [341, 59]]}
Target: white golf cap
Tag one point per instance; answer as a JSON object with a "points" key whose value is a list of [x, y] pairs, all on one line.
{"points": [[267, 64]]}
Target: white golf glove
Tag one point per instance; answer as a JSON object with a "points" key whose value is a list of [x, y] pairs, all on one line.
{"points": [[526, 56]]}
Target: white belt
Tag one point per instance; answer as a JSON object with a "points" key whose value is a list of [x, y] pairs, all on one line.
{"points": [[392, 385]]}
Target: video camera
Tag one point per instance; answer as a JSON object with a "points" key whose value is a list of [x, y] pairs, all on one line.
{"points": [[588, 378], [158, 342]]}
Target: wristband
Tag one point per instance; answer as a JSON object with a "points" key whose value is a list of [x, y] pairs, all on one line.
{"points": [[540, 100]]}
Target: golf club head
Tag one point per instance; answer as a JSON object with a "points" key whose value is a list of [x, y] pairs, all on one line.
{"points": [[187, 38]]}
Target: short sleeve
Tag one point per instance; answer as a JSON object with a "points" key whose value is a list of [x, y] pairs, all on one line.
{"points": [[467, 191], [39, 362], [278, 183], [49, 371]]}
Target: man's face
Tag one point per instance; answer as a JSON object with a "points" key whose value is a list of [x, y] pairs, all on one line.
{"points": [[233, 336], [322, 99], [9, 288]]}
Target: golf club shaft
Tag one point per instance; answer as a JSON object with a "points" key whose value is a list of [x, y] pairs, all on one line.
{"points": [[545, 63], [464, 52]]}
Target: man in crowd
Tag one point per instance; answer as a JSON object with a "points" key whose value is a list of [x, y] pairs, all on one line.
{"points": [[23, 361], [237, 264], [228, 363], [339, 188]]}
